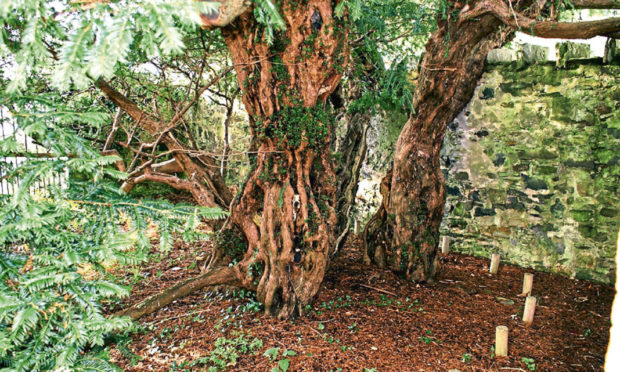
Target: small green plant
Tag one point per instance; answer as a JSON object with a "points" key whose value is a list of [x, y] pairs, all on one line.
{"points": [[427, 339], [530, 363], [272, 353], [228, 351], [283, 364], [466, 358]]}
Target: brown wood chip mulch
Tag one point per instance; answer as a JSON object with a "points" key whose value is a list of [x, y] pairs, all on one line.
{"points": [[368, 318]]}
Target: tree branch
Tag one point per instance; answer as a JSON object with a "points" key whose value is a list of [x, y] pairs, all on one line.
{"points": [[227, 12], [596, 4], [577, 30], [127, 105], [169, 166], [172, 181], [548, 29], [208, 187]]}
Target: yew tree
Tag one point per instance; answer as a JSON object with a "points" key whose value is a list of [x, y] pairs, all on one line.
{"points": [[404, 233], [289, 57], [281, 231], [285, 211]]}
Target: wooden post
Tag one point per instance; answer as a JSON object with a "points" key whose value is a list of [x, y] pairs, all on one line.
{"points": [[501, 341], [528, 281], [528, 311], [494, 263], [445, 245]]}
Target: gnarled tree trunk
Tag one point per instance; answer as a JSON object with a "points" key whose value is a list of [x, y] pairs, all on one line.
{"points": [[405, 231], [281, 230], [286, 210]]}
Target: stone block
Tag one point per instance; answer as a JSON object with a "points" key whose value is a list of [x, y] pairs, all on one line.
{"points": [[536, 166], [569, 51], [501, 56], [534, 53]]}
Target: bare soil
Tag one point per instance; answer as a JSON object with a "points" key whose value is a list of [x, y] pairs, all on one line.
{"points": [[368, 318]]}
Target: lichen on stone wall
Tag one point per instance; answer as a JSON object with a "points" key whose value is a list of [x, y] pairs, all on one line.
{"points": [[533, 168]]}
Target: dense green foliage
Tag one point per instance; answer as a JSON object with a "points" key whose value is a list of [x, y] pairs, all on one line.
{"points": [[390, 40], [76, 42], [57, 247], [60, 248]]}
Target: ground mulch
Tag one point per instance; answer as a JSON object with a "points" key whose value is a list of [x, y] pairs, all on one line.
{"points": [[369, 318]]}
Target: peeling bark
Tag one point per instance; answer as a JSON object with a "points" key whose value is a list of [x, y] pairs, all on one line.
{"points": [[289, 248], [286, 209], [291, 192], [405, 231]]}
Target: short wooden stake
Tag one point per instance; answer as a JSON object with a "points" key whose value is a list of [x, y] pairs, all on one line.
{"points": [[528, 281], [445, 245], [501, 341], [494, 263], [530, 308], [356, 228]]}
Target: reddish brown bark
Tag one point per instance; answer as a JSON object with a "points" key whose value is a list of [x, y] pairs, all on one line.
{"points": [[285, 213], [548, 28], [405, 232], [286, 208]]}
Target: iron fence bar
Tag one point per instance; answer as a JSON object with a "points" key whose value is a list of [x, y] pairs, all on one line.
{"points": [[9, 129], [2, 181]]}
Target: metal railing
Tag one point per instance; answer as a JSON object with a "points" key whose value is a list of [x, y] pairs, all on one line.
{"points": [[10, 183]]}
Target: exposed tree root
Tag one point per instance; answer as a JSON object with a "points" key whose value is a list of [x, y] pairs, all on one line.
{"points": [[218, 276]]}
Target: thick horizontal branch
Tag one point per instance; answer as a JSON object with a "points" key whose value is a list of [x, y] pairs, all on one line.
{"points": [[547, 29], [596, 4], [575, 30], [172, 181], [169, 166]]}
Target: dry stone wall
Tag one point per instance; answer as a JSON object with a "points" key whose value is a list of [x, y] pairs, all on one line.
{"points": [[533, 167]]}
